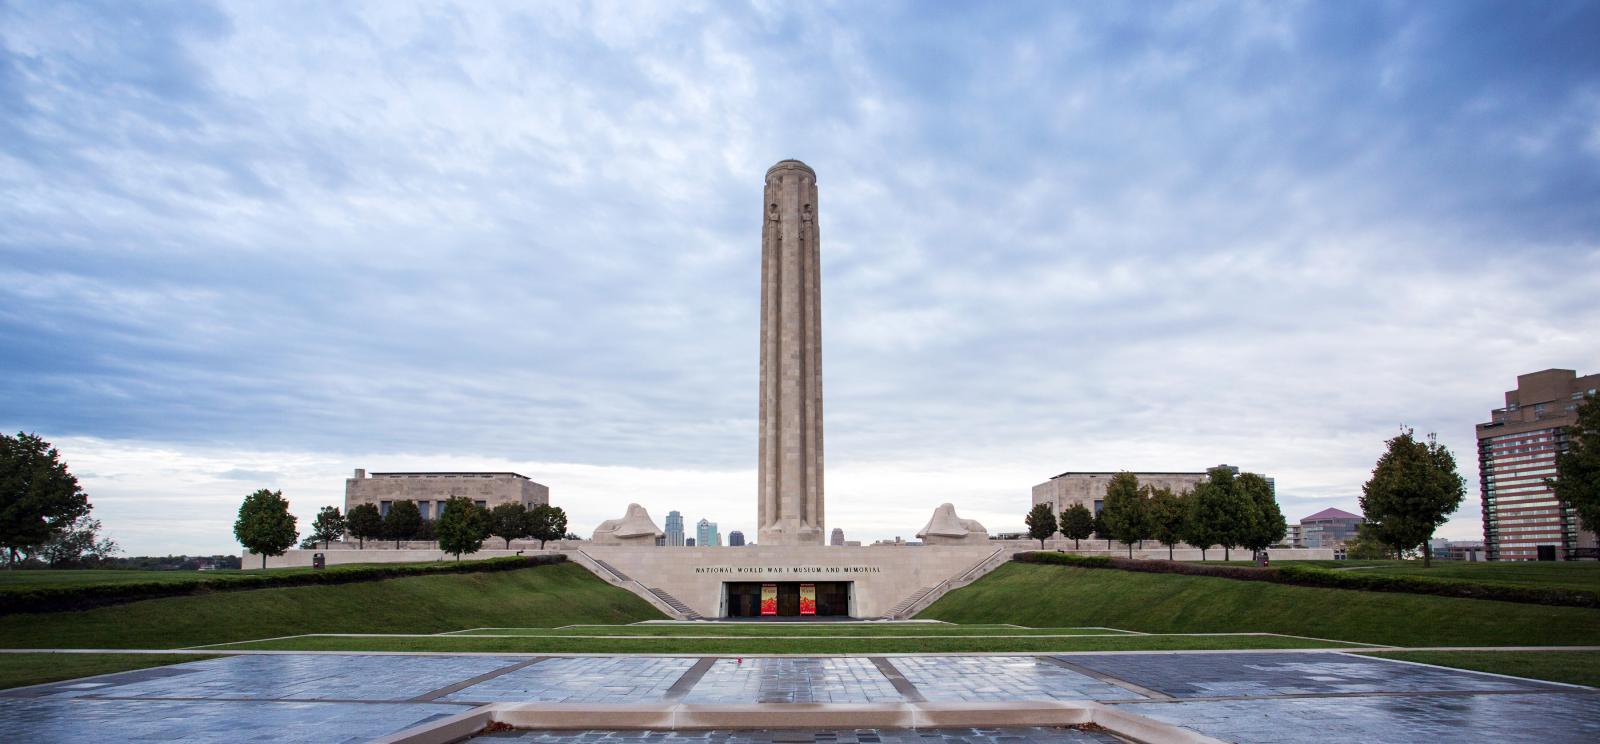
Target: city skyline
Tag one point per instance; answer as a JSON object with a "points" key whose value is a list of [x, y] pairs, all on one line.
{"points": [[249, 248]]}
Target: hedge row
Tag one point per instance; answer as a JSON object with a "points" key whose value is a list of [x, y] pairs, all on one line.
{"points": [[1313, 576], [87, 596]]}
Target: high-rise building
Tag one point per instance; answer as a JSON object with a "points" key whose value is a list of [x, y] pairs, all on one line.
{"points": [[706, 535], [1517, 447], [689, 542], [735, 539], [837, 538], [674, 528]]}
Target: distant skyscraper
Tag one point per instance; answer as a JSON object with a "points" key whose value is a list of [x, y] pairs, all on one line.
{"points": [[735, 539], [837, 538], [1517, 448], [674, 528], [689, 542], [706, 534]]}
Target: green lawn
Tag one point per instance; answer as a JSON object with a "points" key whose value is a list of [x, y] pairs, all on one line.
{"points": [[1046, 595], [20, 670], [1572, 667], [779, 630], [552, 595], [776, 645], [27, 578]]}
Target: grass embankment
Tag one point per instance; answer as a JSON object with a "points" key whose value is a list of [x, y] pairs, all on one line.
{"points": [[789, 630], [1578, 575], [20, 670], [1047, 595], [1572, 667], [552, 595], [777, 645], [85, 576]]}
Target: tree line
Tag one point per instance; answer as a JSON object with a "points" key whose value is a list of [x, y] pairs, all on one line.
{"points": [[266, 527], [1227, 510]]}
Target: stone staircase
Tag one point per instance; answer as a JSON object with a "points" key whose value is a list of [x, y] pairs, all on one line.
{"points": [[686, 611], [928, 595], [899, 611], [613, 570]]}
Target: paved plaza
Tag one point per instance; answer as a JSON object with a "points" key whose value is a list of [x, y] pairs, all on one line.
{"points": [[1244, 697]]}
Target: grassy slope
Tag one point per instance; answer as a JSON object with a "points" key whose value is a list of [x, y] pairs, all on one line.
{"points": [[28, 578], [19, 670], [1573, 667], [1040, 595], [880, 645], [544, 595], [773, 630], [1559, 574]]}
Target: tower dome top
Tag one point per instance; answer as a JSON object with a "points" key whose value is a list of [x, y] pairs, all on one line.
{"points": [[790, 164]]}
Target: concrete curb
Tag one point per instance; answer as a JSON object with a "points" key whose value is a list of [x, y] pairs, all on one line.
{"points": [[704, 717]]}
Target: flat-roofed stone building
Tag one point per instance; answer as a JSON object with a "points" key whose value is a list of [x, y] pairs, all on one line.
{"points": [[429, 490], [1089, 488]]}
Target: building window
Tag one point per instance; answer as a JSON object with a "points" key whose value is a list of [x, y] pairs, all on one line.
{"points": [[422, 508], [383, 507], [482, 504]]}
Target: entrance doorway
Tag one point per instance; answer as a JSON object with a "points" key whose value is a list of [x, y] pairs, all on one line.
{"points": [[787, 598]]}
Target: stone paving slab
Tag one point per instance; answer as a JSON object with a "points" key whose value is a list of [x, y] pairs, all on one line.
{"points": [[1002, 678], [818, 680], [581, 680], [1019, 735], [1534, 719], [394, 678], [89, 721], [1259, 675]]}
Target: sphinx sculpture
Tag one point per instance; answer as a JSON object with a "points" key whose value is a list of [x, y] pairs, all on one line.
{"points": [[945, 528], [634, 528]]}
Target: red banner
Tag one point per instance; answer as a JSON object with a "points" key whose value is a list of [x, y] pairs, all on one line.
{"points": [[769, 599], [808, 599]]}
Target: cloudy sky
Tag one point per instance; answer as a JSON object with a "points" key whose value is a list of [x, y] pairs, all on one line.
{"points": [[262, 244]]}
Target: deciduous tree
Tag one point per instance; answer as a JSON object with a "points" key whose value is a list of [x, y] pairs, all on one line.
{"points": [[403, 522], [328, 526], [1124, 512], [546, 522], [1577, 480], [39, 497], [1266, 525], [1221, 513], [461, 527], [1168, 513], [365, 523], [265, 526], [1414, 488], [79, 542], [1076, 523], [1041, 521], [509, 521]]}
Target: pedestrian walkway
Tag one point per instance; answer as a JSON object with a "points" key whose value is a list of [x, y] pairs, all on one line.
{"points": [[1246, 697]]}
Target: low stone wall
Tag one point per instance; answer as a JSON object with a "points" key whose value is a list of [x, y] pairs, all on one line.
{"points": [[1156, 551]]}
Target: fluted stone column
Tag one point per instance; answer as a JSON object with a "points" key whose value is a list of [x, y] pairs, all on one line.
{"points": [[790, 471]]}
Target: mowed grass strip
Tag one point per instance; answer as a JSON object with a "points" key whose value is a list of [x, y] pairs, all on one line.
{"points": [[880, 645], [783, 630], [1046, 595], [553, 595], [1571, 667], [21, 670]]}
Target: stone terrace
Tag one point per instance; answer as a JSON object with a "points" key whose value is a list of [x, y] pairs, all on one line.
{"points": [[1246, 697]]}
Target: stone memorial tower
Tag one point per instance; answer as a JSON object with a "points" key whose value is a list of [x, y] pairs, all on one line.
{"points": [[790, 470]]}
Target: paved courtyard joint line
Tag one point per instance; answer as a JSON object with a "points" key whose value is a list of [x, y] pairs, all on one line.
{"points": [[360, 697]]}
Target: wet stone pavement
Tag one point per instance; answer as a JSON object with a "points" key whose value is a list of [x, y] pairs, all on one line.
{"points": [[843, 736], [1246, 697]]}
